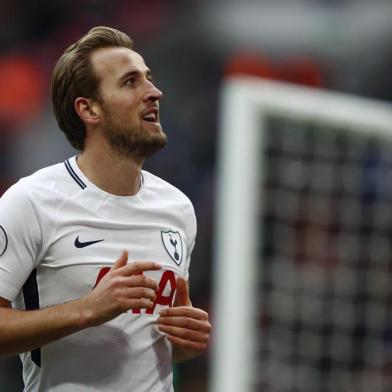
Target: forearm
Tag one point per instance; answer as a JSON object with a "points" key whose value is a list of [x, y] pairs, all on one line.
{"points": [[123, 288], [22, 331]]}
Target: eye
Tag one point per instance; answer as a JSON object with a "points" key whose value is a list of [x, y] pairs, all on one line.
{"points": [[130, 82]]}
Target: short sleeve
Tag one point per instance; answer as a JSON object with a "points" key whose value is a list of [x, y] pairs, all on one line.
{"points": [[20, 240], [192, 230]]}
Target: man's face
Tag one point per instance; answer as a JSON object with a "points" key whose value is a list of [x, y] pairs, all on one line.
{"points": [[129, 103]]}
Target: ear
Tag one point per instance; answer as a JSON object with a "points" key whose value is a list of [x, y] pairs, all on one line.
{"points": [[87, 109]]}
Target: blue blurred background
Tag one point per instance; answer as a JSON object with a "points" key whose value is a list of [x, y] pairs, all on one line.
{"points": [[190, 46]]}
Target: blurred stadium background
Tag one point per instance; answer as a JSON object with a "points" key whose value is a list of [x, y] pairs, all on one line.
{"points": [[191, 46]]}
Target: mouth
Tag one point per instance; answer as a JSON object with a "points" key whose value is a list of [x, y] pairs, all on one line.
{"points": [[151, 115]]}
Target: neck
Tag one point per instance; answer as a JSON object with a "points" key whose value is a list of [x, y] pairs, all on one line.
{"points": [[110, 172]]}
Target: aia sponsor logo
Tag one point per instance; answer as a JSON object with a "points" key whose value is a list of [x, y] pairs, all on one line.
{"points": [[164, 294]]}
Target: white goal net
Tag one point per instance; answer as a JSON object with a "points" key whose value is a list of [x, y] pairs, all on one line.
{"points": [[303, 255]]}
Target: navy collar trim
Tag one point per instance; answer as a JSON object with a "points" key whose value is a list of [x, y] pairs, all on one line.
{"points": [[72, 173]]}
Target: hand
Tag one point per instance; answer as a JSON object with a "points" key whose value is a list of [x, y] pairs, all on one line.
{"points": [[123, 288], [187, 328]]}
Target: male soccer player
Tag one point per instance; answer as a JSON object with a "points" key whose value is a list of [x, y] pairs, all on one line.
{"points": [[95, 251]]}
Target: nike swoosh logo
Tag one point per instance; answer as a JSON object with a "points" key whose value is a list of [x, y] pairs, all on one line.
{"points": [[79, 244]]}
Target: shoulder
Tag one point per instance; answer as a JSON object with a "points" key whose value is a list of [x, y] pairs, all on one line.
{"points": [[166, 196], [47, 184], [163, 189]]}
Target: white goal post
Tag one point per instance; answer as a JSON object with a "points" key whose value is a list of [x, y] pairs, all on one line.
{"points": [[245, 102]]}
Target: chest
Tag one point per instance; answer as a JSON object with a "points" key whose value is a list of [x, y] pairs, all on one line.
{"points": [[81, 251]]}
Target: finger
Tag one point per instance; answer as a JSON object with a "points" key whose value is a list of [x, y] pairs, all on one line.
{"points": [[184, 322], [138, 293], [138, 267], [184, 311], [183, 333], [121, 261], [137, 304], [182, 293], [187, 344], [140, 281]]}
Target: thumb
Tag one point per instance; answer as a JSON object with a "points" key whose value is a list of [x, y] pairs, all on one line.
{"points": [[182, 293], [121, 261]]}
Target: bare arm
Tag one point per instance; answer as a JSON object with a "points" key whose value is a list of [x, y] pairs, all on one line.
{"points": [[123, 288], [25, 330]]}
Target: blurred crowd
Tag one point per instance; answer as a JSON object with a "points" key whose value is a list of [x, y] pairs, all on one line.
{"points": [[190, 46]]}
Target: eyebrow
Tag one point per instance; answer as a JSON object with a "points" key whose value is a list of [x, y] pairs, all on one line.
{"points": [[135, 73]]}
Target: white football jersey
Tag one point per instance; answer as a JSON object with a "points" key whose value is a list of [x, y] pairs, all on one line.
{"points": [[59, 234]]}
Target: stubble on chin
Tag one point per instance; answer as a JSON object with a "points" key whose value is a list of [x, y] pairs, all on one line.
{"points": [[135, 143]]}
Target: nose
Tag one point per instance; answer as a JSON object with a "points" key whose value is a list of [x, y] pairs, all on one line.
{"points": [[153, 93]]}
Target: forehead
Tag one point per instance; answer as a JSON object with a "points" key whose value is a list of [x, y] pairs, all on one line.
{"points": [[112, 63]]}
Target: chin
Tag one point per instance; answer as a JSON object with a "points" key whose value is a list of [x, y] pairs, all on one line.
{"points": [[138, 142], [149, 144], [153, 128]]}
